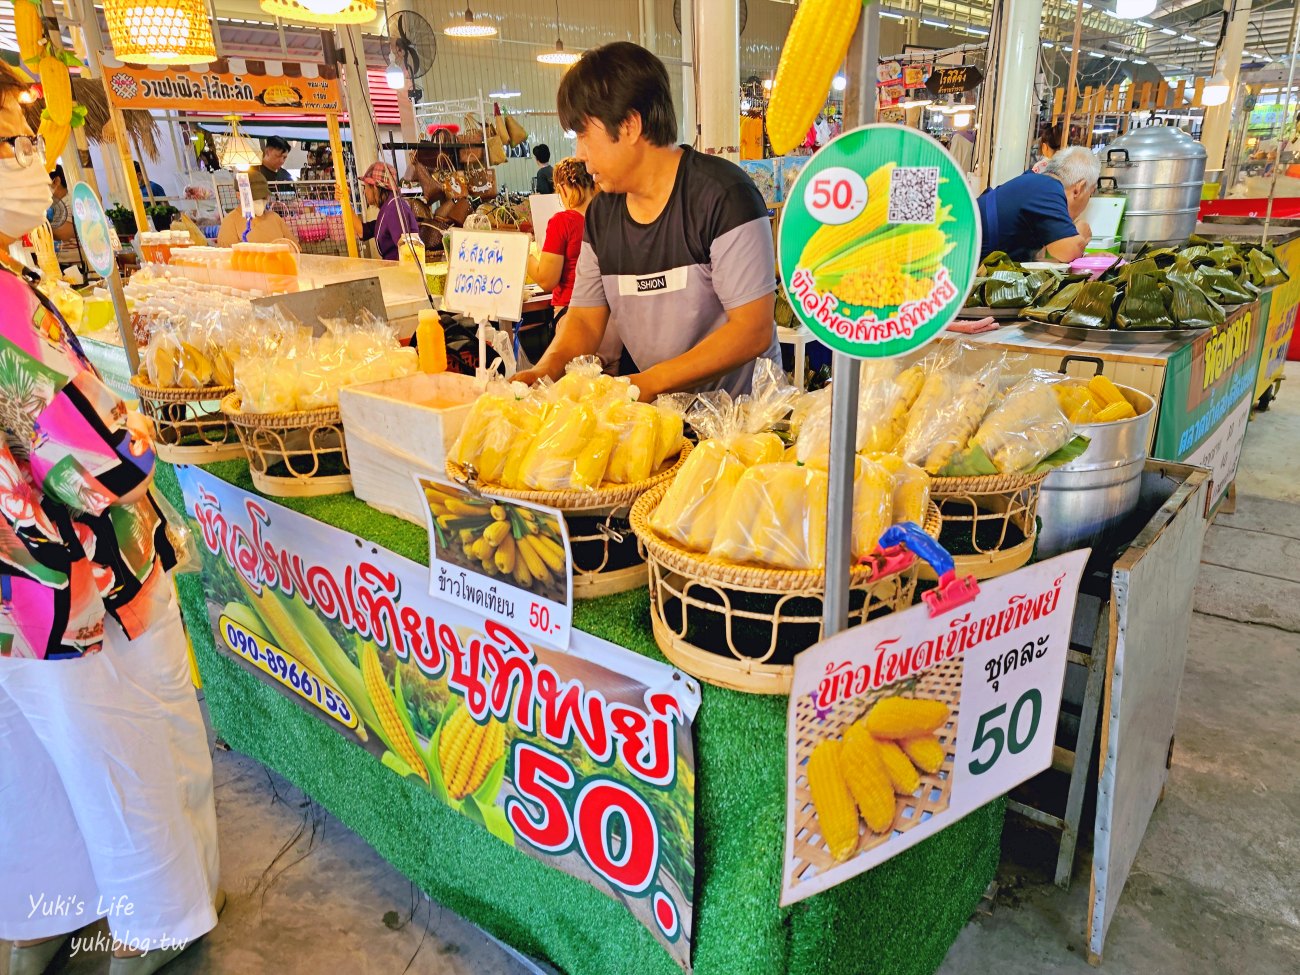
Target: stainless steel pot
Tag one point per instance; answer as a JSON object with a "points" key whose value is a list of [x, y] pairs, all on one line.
{"points": [[1161, 170], [1087, 497]]}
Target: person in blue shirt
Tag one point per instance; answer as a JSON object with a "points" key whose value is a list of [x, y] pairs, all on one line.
{"points": [[1039, 215], [147, 187]]}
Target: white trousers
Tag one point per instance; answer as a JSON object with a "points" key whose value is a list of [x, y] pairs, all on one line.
{"points": [[106, 805]]}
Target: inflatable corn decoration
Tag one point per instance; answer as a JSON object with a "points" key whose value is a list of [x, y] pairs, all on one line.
{"points": [[905, 717], [29, 29], [391, 727], [467, 751], [698, 496], [867, 778], [837, 812], [814, 49], [776, 517], [61, 114]]}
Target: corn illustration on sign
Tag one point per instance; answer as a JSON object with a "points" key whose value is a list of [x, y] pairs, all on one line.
{"points": [[901, 726], [879, 241], [582, 760]]}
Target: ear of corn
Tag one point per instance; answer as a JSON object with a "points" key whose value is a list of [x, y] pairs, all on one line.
{"points": [[829, 240], [925, 751], [837, 813], [1115, 411], [920, 243], [467, 751], [898, 767], [29, 29], [56, 138], [1106, 390], [814, 49], [868, 780], [56, 84], [390, 725], [905, 717]]}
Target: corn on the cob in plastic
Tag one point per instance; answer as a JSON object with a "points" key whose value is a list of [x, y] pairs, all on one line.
{"points": [[636, 428], [467, 751], [925, 751], [946, 413], [905, 717], [873, 504], [902, 773], [837, 813], [391, 727], [1025, 427], [698, 496], [567, 434], [668, 436], [828, 241], [776, 517], [867, 778], [814, 49], [498, 430], [911, 488]]}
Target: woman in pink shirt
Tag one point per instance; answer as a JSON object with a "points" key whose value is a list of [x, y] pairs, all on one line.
{"points": [[105, 776]]}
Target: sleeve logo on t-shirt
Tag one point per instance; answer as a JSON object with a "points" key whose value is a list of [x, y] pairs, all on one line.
{"points": [[662, 283]]}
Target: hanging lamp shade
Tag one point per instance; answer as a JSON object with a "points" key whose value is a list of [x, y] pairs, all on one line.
{"points": [[321, 11], [469, 27], [559, 55], [160, 31], [238, 152]]}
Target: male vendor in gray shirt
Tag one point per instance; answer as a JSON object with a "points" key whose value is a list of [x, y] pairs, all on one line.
{"points": [[677, 251]]}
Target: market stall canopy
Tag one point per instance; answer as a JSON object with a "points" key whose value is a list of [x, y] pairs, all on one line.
{"points": [[140, 125]]}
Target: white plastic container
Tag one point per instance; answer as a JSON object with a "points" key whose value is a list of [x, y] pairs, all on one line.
{"points": [[399, 427]]}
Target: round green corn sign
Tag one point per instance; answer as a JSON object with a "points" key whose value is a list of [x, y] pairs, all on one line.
{"points": [[879, 241]]}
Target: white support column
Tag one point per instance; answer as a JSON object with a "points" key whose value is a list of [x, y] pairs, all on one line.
{"points": [[1214, 134], [361, 112], [1008, 113], [688, 132], [718, 21]]}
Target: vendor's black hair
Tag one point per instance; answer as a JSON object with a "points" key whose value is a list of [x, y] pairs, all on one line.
{"points": [[610, 83], [542, 153], [275, 142]]}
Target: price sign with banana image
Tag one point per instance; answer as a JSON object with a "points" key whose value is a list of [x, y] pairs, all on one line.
{"points": [[502, 557]]}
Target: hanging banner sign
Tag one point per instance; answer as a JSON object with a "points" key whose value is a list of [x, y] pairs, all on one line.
{"points": [[954, 81], [879, 241], [228, 87], [581, 759], [901, 726]]}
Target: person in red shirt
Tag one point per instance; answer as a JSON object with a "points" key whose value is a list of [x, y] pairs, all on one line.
{"points": [[555, 267]]}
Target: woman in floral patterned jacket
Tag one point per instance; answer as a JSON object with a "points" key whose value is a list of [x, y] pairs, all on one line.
{"points": [[105, 776]]}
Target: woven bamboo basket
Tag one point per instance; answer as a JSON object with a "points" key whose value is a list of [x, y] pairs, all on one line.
{"points": [[293, 455], [189, 427], [740, 626], [606, 556], [990, 523]]}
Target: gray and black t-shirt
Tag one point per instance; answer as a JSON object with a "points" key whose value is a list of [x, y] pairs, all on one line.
{"points": [[670, 283]]}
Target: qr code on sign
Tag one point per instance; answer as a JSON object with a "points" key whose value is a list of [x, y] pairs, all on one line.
{"points": [[913, 194]]}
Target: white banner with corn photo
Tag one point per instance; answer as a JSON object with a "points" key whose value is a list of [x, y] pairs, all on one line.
{"points": [[901, 726]]}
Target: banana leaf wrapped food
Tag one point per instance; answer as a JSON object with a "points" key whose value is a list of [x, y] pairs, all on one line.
{"points": [[1264, 268], [1025, 427], [1007, 289], [1227, 283], [1092, 306], [1143, 305], [1055, 307], [1188, 303]]}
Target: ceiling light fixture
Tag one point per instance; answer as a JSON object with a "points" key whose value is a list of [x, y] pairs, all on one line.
{"points": [[160, 31], [839, 82], [942, 24], [1216, 90], [1133, 9], [469, 28], [504, 93], [1167, 32], [321, 11], [395, 77], [559, 55]]}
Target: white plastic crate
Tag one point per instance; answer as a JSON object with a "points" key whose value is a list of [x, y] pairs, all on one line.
{"points": [[398, 427]]}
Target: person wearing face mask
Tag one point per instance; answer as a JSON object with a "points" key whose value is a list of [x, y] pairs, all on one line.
{"points": [[268, 226], [105, 775]]}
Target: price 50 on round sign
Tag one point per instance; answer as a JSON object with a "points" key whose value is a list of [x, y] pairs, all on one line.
{"points": [[879, 242]]}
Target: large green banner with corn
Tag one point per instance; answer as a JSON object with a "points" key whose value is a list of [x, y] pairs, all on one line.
{"points": [[582, 758]]}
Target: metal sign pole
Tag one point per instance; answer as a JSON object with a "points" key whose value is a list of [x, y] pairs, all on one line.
{"points": [[846, 373]]}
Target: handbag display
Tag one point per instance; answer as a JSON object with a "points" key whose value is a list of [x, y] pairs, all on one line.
{"points": [[496, 150], [518, 134], [482, 181], [453, 181], [473, 131]]}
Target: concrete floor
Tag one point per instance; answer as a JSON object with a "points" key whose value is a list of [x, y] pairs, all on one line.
{"points": [[1215, 889]]}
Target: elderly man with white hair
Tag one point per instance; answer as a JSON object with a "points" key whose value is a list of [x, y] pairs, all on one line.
{"points": [[1039, 216]]}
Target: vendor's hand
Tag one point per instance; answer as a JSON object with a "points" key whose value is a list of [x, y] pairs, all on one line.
{"points": [[527, 377], [645, 383], [140, 428], [1084, 228]]}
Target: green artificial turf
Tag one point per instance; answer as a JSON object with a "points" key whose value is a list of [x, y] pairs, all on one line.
{"points": [[898, 919]]}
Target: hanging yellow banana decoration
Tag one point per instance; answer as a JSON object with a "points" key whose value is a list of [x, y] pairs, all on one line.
{"points": [[814, 49], [61, 114]]}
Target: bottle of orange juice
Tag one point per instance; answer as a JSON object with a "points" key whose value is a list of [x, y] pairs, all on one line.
{"points": [[431, 342]]}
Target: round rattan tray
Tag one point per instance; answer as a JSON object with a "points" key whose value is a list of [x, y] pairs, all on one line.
{"points": [[607, 558], [297, 454], [189, 427], [757, 618], [990, 523]]}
